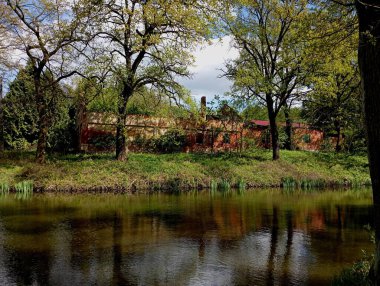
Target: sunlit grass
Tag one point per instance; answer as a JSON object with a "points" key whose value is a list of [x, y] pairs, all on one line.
{"points": [[183, 171], [4, 188]]}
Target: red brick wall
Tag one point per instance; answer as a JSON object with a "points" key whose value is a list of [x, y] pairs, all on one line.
{"points": [[214, 133]]}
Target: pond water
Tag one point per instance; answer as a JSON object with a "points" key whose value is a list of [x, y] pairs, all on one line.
{"points": [[267, 237]]}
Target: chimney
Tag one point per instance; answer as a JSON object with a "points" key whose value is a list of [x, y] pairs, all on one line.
{"points": [[203, 107]]}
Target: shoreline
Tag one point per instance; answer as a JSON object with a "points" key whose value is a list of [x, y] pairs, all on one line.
{"points": [[180, 172]]}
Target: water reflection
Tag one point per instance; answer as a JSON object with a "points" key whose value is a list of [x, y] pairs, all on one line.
{"points": [[259, 238]]}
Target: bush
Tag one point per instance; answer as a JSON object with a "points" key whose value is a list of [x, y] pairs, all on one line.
{"points": [[357, 275], [103, 141], [326, 145], [172, 141]]}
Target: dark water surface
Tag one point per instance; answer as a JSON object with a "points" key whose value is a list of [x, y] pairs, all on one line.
{"points": [[258, 238]]}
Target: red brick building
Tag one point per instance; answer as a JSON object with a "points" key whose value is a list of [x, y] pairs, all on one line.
{"points": [[209, 134]]}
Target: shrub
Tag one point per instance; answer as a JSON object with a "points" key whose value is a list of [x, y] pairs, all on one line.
{"points": [[103, 141], [24, 187], [326, 145], [172, 141], [357, 275]]}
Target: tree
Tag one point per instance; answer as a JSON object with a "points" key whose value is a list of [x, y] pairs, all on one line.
{"points": [[2, 143], [273, 62], [7, 63], [149, 44], [46, 32], [21, 116], [368, 12], [333, 105], [369, 63], [20, 111]]}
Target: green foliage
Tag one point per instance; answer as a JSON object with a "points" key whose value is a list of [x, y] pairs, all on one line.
{"points": [[20, 112], [21, 115], [4, 188], [282, 137], [105, 101], [258, 112], [357, 275], [24, 187], [213, 185], [290, 183], [224, 185], [241, 185], [334, 104], [172, 141], [103, 141], [326, 145], [355, 139], [254, 167]]}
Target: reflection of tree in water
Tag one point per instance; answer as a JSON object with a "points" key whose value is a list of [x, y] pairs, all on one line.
{"points": [[28, 267], [273, 245], [28, 264], [192, 242], [289, 241], [117, 274]]}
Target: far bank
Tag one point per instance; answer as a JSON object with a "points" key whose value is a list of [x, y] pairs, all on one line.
{"points": [[180, 172]]}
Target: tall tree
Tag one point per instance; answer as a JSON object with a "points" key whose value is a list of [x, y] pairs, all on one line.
{"points": [[2, 143], [149, 43], [46, 32], [273, 62], [369, 63], [368, 12], [20, 111], [333, 104]]}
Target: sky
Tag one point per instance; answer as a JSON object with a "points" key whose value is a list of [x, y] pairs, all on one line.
{"points": [[209, 61]]}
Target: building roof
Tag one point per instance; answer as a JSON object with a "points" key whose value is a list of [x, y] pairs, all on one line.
{"points": [[266, 123]]}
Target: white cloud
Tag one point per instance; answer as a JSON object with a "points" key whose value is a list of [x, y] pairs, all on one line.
{"points": [[209, 61]]}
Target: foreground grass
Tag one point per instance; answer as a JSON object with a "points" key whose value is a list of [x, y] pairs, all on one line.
{"points": [[183, 171], [357, 275]]}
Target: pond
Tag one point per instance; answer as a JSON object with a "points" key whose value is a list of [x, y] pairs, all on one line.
{"points": [[266, 237]]}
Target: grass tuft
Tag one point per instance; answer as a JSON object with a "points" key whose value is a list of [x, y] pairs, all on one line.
{"points": [[4, 188], [24, 187]]}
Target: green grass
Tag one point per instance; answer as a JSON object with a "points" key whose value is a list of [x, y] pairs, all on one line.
{"points": [[357, 275], [4, 188], [180, 171], [24, 187]]}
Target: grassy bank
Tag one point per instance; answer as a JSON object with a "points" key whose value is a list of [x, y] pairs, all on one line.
{"points": [[99, 172]]}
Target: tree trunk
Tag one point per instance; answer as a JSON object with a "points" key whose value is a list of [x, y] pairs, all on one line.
{"points": [[369, 64], [288, 129], [43, 123], [273, 133], [121, 134], [2, 139], [338, 147], [80, 115], [121, 138], [42, 139]]}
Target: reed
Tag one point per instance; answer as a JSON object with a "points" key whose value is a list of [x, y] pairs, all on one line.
{"points": [[289, 183], [224, 185], [24, 187], [241, 186], [303, 184], [213, 186], [4, 188]]}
